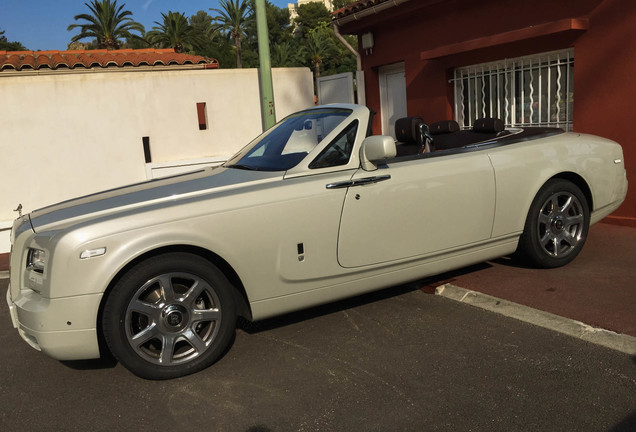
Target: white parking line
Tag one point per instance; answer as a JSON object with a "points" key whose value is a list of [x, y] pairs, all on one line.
{"points": [[616, 341]]}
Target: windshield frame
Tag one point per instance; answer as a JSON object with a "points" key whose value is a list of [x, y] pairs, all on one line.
{"points": [[238, 161]]}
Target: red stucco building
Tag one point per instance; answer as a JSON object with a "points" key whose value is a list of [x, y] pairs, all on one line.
{"points": [[569, 63]]}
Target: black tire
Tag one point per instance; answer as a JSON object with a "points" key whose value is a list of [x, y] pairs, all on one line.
{"points": [[170, 316], [556, 226]]}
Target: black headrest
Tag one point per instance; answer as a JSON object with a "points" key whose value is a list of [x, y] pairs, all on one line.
{"points": [[446, 126], [407, 130], [488, 125]]}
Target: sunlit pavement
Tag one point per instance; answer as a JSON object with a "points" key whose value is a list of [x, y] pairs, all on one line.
{"points": [[598, 288]]}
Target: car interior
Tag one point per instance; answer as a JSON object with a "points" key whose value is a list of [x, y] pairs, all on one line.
{"points": [[415, 137]]}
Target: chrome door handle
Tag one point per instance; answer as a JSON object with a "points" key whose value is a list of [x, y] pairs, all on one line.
{"points": [[358, 182]]}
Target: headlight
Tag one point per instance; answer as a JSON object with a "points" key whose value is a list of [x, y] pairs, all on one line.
{"points": [[36, 260]]}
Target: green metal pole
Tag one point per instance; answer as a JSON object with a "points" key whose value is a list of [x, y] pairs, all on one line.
{"points": [[267, 89]]}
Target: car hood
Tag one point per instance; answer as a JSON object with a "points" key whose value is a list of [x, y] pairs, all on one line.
{"points": [[154, 192]]}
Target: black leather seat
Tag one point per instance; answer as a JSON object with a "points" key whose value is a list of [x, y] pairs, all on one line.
{"points": [[450, 137], [408, 131]]}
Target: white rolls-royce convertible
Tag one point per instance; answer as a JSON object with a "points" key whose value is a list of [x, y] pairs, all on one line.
{"points": [[313, 210]]}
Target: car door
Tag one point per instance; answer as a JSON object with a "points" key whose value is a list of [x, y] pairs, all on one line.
{"points": [[416, 208]]}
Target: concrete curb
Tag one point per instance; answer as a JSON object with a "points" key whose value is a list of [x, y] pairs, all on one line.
{"points": [[4, 274], [606, 338]]}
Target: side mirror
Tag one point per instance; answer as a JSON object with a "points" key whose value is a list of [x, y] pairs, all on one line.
{"points": [[375, 149]]}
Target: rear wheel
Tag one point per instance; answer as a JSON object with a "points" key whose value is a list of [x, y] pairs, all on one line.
{"points": [[170, 316], [556, 226]]}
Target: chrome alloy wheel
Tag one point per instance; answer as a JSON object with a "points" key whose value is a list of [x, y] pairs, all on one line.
{"points": [[560, 224], [173, 319]]}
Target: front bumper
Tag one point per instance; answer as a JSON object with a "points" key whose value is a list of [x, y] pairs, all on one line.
{"points": [[61, 328]]}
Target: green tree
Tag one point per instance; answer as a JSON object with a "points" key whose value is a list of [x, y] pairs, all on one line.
{"points": [[286, 54], [5, 45], [175, 32], [278, 29], [212, 45], [318, 46], [310, 16], [201, 23], [277, 18], [136, 42], [339, 4], [232, 20], [108, 23]]}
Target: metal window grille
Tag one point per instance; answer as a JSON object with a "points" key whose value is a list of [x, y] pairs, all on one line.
{"points": [[526, 91]]}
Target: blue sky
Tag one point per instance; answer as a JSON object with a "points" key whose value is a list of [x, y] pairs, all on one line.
{"points": [[41, 24]]}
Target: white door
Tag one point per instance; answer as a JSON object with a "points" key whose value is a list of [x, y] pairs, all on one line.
{"points": [[336, 89], [392, 96]]}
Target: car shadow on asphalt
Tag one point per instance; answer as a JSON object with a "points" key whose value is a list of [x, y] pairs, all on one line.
{"points": [[627, 425], [429, 284], [426, 285], [106, 362], [511, 261], [253, 327]]}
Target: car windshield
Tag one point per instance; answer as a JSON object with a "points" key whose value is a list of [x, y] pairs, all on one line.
{"points": [[288, 142]]}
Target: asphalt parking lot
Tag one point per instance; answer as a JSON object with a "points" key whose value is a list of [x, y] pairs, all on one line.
{"points": [[395, 360]]}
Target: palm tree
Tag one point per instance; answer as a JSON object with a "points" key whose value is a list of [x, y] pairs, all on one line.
{"points": [[318, 46], [232, 19], [283, 54], [175, 32], [108, 24]]}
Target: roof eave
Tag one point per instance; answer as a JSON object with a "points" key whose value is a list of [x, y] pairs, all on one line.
{"points": [[361, 9]]}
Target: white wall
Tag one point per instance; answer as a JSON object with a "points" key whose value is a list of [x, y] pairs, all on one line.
{"points": [[68, 134]]}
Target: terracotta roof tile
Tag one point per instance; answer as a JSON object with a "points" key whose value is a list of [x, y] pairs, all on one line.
{"points": [[86, 59], [42, 60], [58, 60], [25, 62], [13, 60]]}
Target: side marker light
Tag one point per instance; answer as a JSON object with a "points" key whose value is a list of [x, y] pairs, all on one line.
{"points": [[92, 253]]}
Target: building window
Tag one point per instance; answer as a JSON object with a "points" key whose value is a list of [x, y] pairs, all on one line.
{"points": [[526, 91]]}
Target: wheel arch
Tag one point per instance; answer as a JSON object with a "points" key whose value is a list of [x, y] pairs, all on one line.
{"points": [[533, 246], [242, 301], [579, 182]]}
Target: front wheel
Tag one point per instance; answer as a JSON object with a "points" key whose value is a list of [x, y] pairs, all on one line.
{"points": [[556, 226], [170, 316]]}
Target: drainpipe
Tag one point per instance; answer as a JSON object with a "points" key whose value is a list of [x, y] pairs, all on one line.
{"points": [[360, 88]]}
